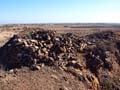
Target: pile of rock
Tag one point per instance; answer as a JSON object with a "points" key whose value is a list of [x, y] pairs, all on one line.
{"points": [[40, 47], [103, 51], [88, 58], [48, 48]]}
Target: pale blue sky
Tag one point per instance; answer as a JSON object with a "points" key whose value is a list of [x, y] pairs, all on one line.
{"points": [[52, 11]]}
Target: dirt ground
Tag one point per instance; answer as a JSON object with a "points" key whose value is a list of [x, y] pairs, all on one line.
{"points": [[44, 79]]}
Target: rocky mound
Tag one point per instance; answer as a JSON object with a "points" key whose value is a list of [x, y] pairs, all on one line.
{"points": [[39, 47], [92, 58]]}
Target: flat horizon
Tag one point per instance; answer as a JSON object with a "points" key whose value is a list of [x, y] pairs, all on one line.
{"points": [[59, 11]]}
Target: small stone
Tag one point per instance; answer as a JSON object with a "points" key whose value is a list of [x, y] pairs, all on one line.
{"points": [[44, 49], [54, 76], [9, 45], [36, 47], [34, 41], [44, 44], [42, 41], [49, 38], [19, 40], [63, 49], [63, 88], [11, 71], [42, 65], [25, 43], [40, 44], [57, 39], [73, 62], [35, 61], [82, 46], [35, 67], [89, 43]]}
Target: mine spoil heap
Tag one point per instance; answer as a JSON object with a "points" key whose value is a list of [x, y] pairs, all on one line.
{"points": [[100, 52]]}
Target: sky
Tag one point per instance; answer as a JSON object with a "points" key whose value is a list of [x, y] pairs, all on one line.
{"points": [[59, 11]]}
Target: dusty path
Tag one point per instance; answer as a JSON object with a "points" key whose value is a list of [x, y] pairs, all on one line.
{"points": [[5, 35]]}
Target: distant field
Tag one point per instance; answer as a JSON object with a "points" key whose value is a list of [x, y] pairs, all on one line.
{"points": [[7, 31]]}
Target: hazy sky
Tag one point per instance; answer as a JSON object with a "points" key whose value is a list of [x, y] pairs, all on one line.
{"points": [[51, 11]]}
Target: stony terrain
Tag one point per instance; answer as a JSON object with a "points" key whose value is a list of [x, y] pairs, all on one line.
{"points": [[48, 60]]}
